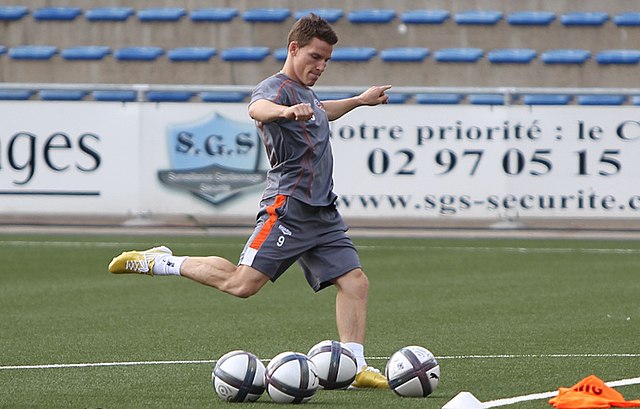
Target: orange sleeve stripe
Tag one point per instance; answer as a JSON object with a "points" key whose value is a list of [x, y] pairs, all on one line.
{"points": [[268, 225]]}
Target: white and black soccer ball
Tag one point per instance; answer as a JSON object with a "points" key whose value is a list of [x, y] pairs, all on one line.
{"points": [[413, 371], [238, 376], [335, 362], [291, 377]]}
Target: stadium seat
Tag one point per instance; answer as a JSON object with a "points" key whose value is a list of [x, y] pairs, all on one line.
{"points": [[16, 94], [618, 57], [438, 99], [565, 56], [328, 96], [220, 96], [114, 95], [353, 54], [138, 53], [220, 14], [458, 55], [531, 18], [245, 54], [478, 17], [56, 13], [546, 99], [404, 54], [161, 14], [13, 13], [601, 99], [512, 55], [371, 16], [32, 52], [630, 18], [89, 52], [62, 94], [329, 14], [191, 54], [280, 54], [3, 49], [169, 96], [635, 100], [398, 97], [584, 18], [486, 99], [425, 16], [266, 15], [108, 13]]}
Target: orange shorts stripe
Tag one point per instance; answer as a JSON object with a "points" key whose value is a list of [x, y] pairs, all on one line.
{"points": [[268, 225]]}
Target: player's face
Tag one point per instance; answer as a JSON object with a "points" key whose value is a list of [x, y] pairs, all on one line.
{"points": [[310, 61]]}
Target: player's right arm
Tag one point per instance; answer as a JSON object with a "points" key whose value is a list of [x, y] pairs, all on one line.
{"points": [[265, 111]]}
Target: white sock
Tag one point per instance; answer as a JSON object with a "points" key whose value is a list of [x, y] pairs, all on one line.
{"points": [[167, 265], [358, 351]]}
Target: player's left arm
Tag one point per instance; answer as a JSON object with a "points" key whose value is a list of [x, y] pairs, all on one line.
{"points": [[373, 96]]}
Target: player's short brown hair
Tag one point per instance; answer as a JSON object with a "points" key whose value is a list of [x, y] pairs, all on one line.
{"points": [[309, 27]]}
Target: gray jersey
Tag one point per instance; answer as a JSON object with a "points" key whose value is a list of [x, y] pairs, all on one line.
{"points": [[299, 151]]}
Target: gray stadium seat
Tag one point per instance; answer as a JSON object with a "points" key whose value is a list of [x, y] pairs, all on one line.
{"points": [[16, 94], [138, 53], [546, 99], [511, 55], [221, 96], [280, 54], [191, 53], [630, 18], [353, 54], [13, 13], [161, 14], [618, 57], [404, 54], [531, 18], [108, 13], [332, 15], [584, 18], [89, 52], [458, 55], [565, 56], [478, 17], [114, 95], [371, 16], [219, 14], [169, 96], [266, 15], [62, 94], [601, 99], [438, 99], [245, 54], [425, 16], [56, 13], [32, 52], [486, 99]]}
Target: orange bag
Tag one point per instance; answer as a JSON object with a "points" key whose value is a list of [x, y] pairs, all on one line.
{"points": [[591, 393]]}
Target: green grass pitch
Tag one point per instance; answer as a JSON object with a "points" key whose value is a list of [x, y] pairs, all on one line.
{"points": [[505, 318]]}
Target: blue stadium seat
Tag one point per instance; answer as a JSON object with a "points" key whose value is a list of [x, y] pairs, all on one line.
{"points": [[329, 14], [618, 57], [584, 18], [161, 14], [371, 16], [62, 94], [32, 52], [512, 55], [458, 55], [630, 18], [565, 56], [114, 95], [486, 99], [266, 15], [635, 100], [221, 96], [108, 13], [16, 94], [280, 54], [438, 99], [546, 99], [3, 49], [398, 97], [89, 52], [478, 17], [13, 13], [601, 99], [425, 16], [57, 13], [531, 18], [245, 54], [191, 53], [169, 96], [220, 14], [138, 53], [404, 54], [353, 54], [328, 96]]}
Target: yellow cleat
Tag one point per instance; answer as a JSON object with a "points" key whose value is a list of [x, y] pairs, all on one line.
{"points": [[140, 262], [370, 377]]}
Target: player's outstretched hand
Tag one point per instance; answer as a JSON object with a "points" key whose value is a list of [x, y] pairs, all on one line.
{"points": [[375, 95]]}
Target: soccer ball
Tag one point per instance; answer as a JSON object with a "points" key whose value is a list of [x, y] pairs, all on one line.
{"points": [[335, 362], [238, 376], [413, 371], [291, 377]]}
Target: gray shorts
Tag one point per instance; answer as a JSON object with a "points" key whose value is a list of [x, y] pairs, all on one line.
{"points": [[288, 230]]}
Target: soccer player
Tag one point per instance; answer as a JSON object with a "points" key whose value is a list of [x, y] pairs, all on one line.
{"points": [[298, 219]]}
